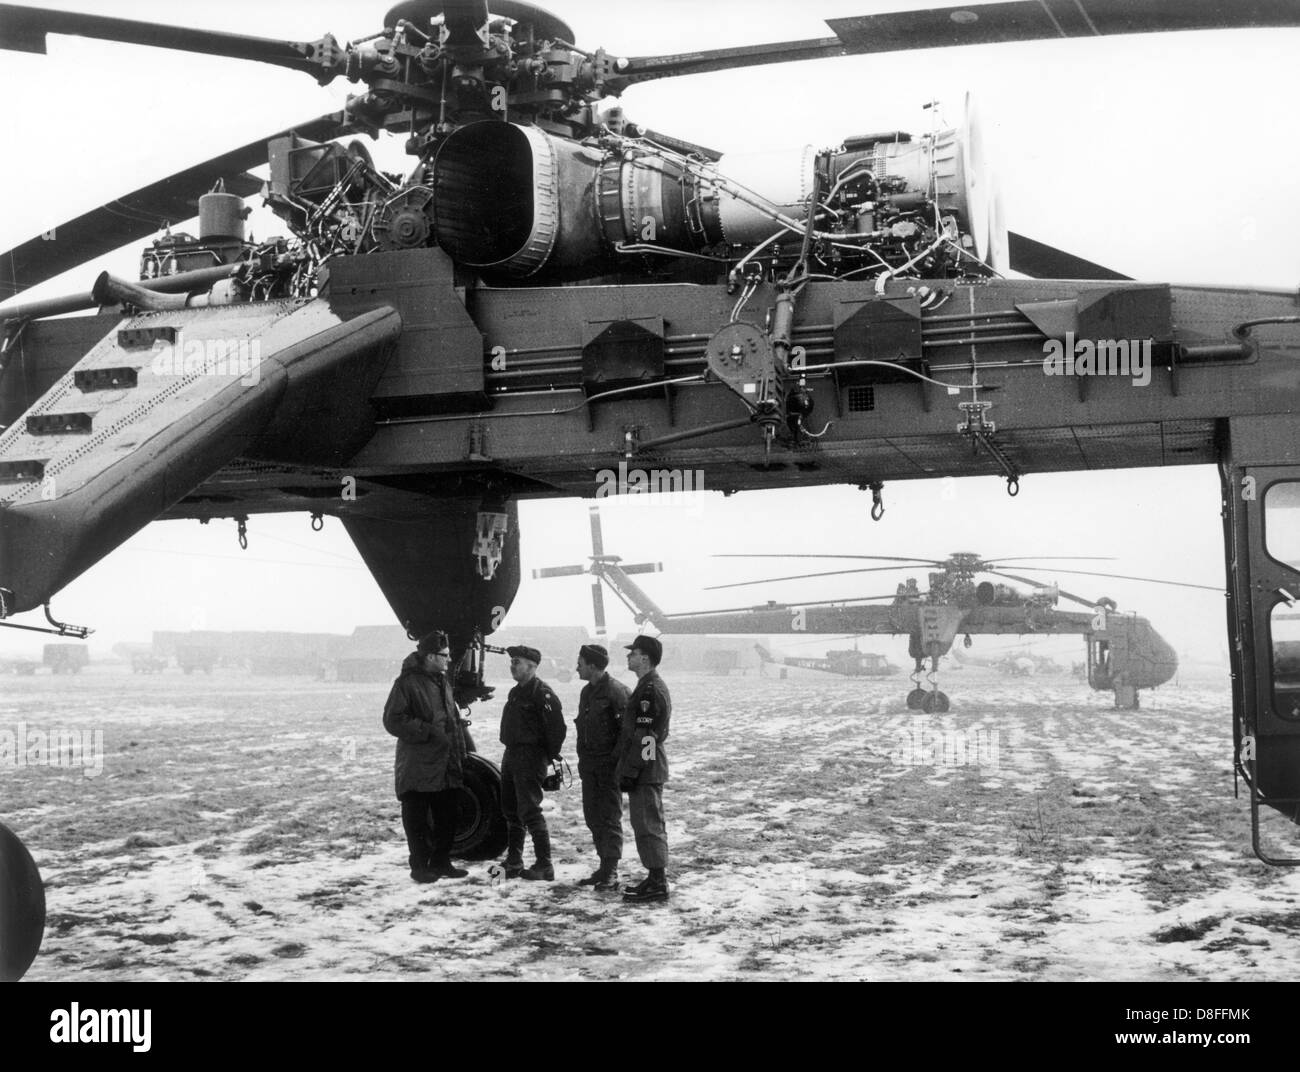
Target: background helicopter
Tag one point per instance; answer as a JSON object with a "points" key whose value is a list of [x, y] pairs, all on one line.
{"points": [[254, 490], [1125, 654], [848, 662]]}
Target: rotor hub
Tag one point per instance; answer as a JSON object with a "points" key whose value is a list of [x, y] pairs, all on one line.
{"points": [[544, 25]]}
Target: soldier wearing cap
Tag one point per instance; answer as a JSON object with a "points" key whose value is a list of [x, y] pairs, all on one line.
{"points": [[599, 723], [424, 718], [533, 730], [643, 766]]}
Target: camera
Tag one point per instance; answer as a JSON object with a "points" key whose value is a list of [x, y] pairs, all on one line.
{"points": [[555, 780]]}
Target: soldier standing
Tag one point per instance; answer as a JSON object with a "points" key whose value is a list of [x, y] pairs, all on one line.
{"points": [[533, 730], [424, 718], [599, 722], [643, 766]]}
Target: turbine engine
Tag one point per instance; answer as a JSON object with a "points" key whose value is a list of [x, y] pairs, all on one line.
{"points": [[516, 201]]}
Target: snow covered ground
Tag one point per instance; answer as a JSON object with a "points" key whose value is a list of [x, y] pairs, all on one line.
{"points": [[245, 828]]}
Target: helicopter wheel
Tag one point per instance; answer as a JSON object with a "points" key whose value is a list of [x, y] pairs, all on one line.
{"points": [[481, 829], [935, 702], [916, 698], [22, 907]]}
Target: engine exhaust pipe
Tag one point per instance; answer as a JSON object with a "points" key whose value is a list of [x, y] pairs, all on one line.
{"points": [[180, 283]]}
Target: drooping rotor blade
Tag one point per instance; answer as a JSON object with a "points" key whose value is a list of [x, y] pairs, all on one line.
{"points": [[597, 540], [1015, 20], [873, 558], [847, 601], [1126, 577], [141, 212], [24, 29], [806, 576], [648, 68], [598, 607], [1049, 558], [1041, 261], [558, 571]]}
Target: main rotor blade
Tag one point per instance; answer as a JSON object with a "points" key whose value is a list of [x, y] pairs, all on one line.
{"points": [[648, 68], [141, 212], [818, 603], [1125, 577], [805, 576], [598, 607], [1015, 20], [597, 540], [23, 29], [1049, 558], [547, 572], [873, 558], [1041, 261]]}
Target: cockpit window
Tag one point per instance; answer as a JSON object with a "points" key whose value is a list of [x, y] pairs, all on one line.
{"points": [[1284, 627], [1282, 542], [1282, 522]]}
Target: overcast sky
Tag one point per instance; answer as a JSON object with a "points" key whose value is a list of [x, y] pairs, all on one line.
{"points": [[1159, 156]]}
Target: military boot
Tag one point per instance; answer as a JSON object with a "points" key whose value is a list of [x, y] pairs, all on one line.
{"points": [[654, 887], [514, 862], [446, 869], [608, 866], [541, 871]]}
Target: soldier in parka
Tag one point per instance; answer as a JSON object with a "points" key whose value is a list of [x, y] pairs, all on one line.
{"points": [[599, 723], [643, 766], [533, 730], [424, 718]]}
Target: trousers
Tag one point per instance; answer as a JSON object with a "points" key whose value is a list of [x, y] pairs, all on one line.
{"points": [[522, 769], [645, 807], [430, 844], [602, 806]]}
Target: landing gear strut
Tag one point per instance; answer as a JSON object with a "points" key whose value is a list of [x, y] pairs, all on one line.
{"points": [[931, 701]]}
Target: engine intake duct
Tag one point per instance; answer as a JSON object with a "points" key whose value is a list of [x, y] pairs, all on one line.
{"points": [[507, 199], [514, 200]]}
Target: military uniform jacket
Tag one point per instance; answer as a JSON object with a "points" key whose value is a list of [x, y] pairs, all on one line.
{"points": [[641, 754], [600, 721], [424, 718], [533, 716]]}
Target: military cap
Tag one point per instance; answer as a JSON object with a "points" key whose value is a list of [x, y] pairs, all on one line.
{"points": [[650, 645], [594, 654], [522, 651], [432, 643]]}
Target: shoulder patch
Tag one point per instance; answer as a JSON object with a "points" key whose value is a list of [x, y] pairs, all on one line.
{"points": [[645, 705]]}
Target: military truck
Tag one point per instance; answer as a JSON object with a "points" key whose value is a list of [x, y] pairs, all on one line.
{"points": [[147, 663], [66, 658], [191, 657]]}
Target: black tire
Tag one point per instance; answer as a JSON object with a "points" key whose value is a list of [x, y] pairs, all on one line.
{"points": [[935, 702], [22, 907], [481, 832], [915, 698]]}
